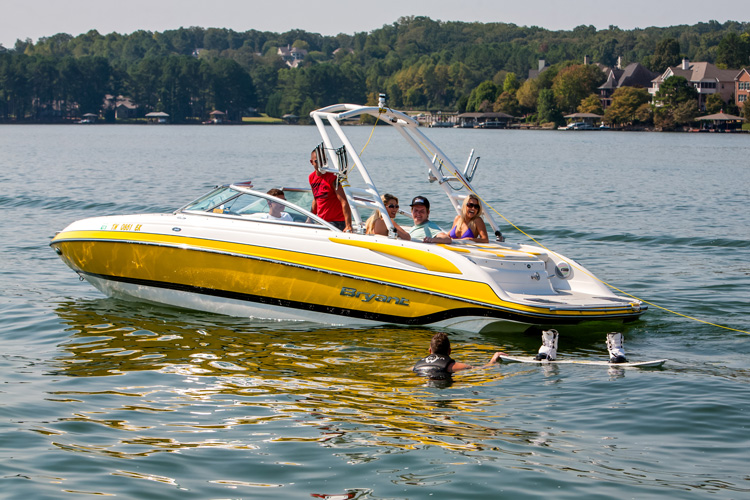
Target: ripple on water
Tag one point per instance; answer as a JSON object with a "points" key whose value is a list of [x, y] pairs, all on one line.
{"points": [[105, 397]]}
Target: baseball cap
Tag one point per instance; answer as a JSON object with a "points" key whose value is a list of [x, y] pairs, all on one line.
{"points": [[420, 200]]}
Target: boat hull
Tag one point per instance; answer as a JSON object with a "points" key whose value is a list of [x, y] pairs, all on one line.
{"points": [[355, 286]]}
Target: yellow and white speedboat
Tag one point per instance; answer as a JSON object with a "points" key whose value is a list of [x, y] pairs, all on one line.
{"points": [[223, 254]]}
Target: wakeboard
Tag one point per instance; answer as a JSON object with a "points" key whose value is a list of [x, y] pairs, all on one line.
{"points": [[530, 359]]}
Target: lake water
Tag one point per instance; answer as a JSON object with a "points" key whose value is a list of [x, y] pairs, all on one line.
{"points": [[100, 397]]}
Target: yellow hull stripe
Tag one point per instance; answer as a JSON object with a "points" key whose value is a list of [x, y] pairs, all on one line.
{"points": [[428, 260], [280, 274]]}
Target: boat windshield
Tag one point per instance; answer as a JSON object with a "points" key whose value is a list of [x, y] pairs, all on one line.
{"points": [[228, 201]]}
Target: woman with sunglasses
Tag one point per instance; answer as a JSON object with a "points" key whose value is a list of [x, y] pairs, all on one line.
{"points": [[376, 225], [467, 226]]}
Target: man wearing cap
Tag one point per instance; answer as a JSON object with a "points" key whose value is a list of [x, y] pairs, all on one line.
{"points": [[329, 199], [423, 226]]}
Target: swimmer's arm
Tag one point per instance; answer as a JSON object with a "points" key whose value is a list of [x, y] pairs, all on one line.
{"points": [[462, 366], [459, 366]]}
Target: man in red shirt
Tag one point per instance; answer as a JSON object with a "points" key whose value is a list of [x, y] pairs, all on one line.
{"points": [[329, 202]]}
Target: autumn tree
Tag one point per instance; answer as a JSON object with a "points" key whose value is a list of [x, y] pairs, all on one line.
{"points": [[527, 95], [644, 113], [591, 104], [506, 102], [626, 102]]}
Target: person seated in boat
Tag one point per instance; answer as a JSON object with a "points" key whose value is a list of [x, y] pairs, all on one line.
{"points": [[468, 226], [329, 200], [423, 227], [275, 210], [376, 225], [439, 365]]}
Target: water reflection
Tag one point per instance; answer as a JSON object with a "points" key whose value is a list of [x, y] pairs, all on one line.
{"points": [[204, 376]]}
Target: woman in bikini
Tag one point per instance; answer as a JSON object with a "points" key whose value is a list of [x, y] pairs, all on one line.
{"points": [[467, 226]]}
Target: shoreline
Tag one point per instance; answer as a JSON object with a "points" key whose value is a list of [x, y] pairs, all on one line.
{"points": [[282, 123]]}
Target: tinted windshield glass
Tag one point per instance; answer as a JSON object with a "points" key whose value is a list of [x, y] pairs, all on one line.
{"points": [[229, 202], [212, 199]]}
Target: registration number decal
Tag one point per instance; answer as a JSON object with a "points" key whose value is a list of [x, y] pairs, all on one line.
{"points": [[123, 227]]}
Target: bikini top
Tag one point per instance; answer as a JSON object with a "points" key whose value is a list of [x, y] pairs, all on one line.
{"points": [[467, 234]]}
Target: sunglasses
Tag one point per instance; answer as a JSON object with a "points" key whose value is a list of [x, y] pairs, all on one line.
{"points": [[392, 206], [472, 205]]}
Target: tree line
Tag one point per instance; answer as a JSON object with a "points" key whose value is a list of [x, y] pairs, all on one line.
{"points": [[419, 62]]}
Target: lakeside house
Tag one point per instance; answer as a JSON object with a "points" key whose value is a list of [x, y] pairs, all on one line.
{"points": [[634, 75], [706, 78], [742, 88], [124, 107], [292, 56], [534, 73]]}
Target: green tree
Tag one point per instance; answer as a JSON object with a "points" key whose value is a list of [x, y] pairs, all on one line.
{"points": [[714, 103], [685, 112], [15, 91], [485, 92], [666, 54], [644, 113], [414, 98], [43, 78], [307, 106], [506, 102], [232, 88], [547, 110], [178, 87], [626, 102], [86, 82], [663, 119], [511, 83], [675, 90], [216, 39], [273, 105], [733, 51], [606, 52], [462, 103], [574, 83], [144, 79], [591, 104]]}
